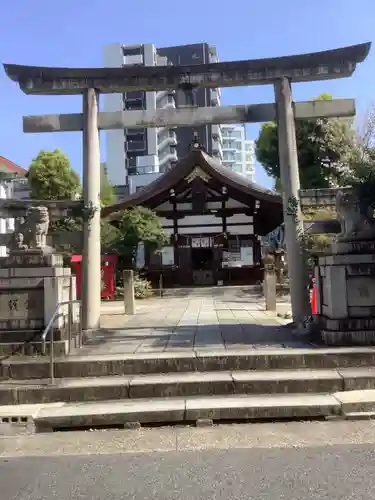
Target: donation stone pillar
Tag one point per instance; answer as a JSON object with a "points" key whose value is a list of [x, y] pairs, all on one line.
{"points": [[289, 176], [91, 276]]}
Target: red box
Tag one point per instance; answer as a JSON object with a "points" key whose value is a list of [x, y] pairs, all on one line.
{"points": [[108, 275]]}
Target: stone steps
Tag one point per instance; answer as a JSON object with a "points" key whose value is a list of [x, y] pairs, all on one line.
{"points": [[203, 360], [358, 402], [132, 413], [187, 384]]}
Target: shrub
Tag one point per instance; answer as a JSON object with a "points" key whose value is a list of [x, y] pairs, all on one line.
{"points": [[142, 288]]}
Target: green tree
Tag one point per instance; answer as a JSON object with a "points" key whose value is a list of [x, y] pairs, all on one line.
{"points": [[107, 193], [324, 148], [138, 225], [361, 172], [109, 236], [319, 242], [50, 177]]}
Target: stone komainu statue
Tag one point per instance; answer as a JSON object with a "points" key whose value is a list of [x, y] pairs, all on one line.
{"points": [[356, 223], [31, 233]]}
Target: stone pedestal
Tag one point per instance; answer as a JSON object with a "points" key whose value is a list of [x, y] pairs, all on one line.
{"points": [[346, 294], [269, 284], [32, 283], [129, 298]]}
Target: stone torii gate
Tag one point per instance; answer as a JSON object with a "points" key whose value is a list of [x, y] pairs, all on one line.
{"points": [[280, 72]]}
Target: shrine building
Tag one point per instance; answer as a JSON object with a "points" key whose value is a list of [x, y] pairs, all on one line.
{"points": [[214, 219]]}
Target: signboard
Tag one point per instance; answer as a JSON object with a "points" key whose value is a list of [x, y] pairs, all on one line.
{"points": [[22, 305], [247, 256], [167, 256], [205, 242], [238, 259]]}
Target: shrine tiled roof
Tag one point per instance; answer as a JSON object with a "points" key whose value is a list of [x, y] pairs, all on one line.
{"points": [[196, 158]]}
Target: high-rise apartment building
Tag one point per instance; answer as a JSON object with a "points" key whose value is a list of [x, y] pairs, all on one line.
{"points": [[238, 152], [136, 156]]}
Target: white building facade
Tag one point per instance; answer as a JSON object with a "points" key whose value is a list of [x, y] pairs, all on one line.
{"points": [[6, 225], [238, 152], [136, 157]]}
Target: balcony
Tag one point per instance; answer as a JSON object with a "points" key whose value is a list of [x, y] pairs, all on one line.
{"points": [[149, 169], [133, 59], [135, 145], [134, 132], [134, 135], [217, 134], [168, 155], [143, 169], [165, 138], [162, 61], [162, 93], [167, 101], [229, 145], [229, 159], [215, 98], [134, 105], [134, 96], [216, 148]]}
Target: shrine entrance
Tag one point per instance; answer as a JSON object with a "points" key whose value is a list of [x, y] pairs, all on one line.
{"points": [[203, 264], [213, 219], [280, 72]]}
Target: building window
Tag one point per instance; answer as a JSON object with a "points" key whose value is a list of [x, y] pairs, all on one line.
{"points": [[134, 105], [136, 51], [139, 136], [135, 145], [136, 94]]}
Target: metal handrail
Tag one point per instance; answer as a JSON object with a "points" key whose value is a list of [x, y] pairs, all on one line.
{"points": [[51, 340]]}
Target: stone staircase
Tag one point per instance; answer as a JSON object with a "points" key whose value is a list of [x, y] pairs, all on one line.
{"points": [[187, 387]]}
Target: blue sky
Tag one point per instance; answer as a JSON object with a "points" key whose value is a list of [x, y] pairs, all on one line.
{"points": [[73, 33]]}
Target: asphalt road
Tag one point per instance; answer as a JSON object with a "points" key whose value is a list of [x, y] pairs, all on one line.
{"points": [[300, 471]]}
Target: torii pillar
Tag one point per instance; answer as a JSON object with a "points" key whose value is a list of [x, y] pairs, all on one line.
{"points": [[91, 276], [293, 219]]}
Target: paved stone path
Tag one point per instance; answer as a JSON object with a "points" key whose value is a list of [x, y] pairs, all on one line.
{"points": [[231, 321]]}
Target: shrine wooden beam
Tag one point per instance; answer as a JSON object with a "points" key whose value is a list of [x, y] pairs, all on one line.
{"points": [[188, 116]]}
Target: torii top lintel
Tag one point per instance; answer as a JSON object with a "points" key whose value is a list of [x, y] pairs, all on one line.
{"points": [[338, 63]]}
